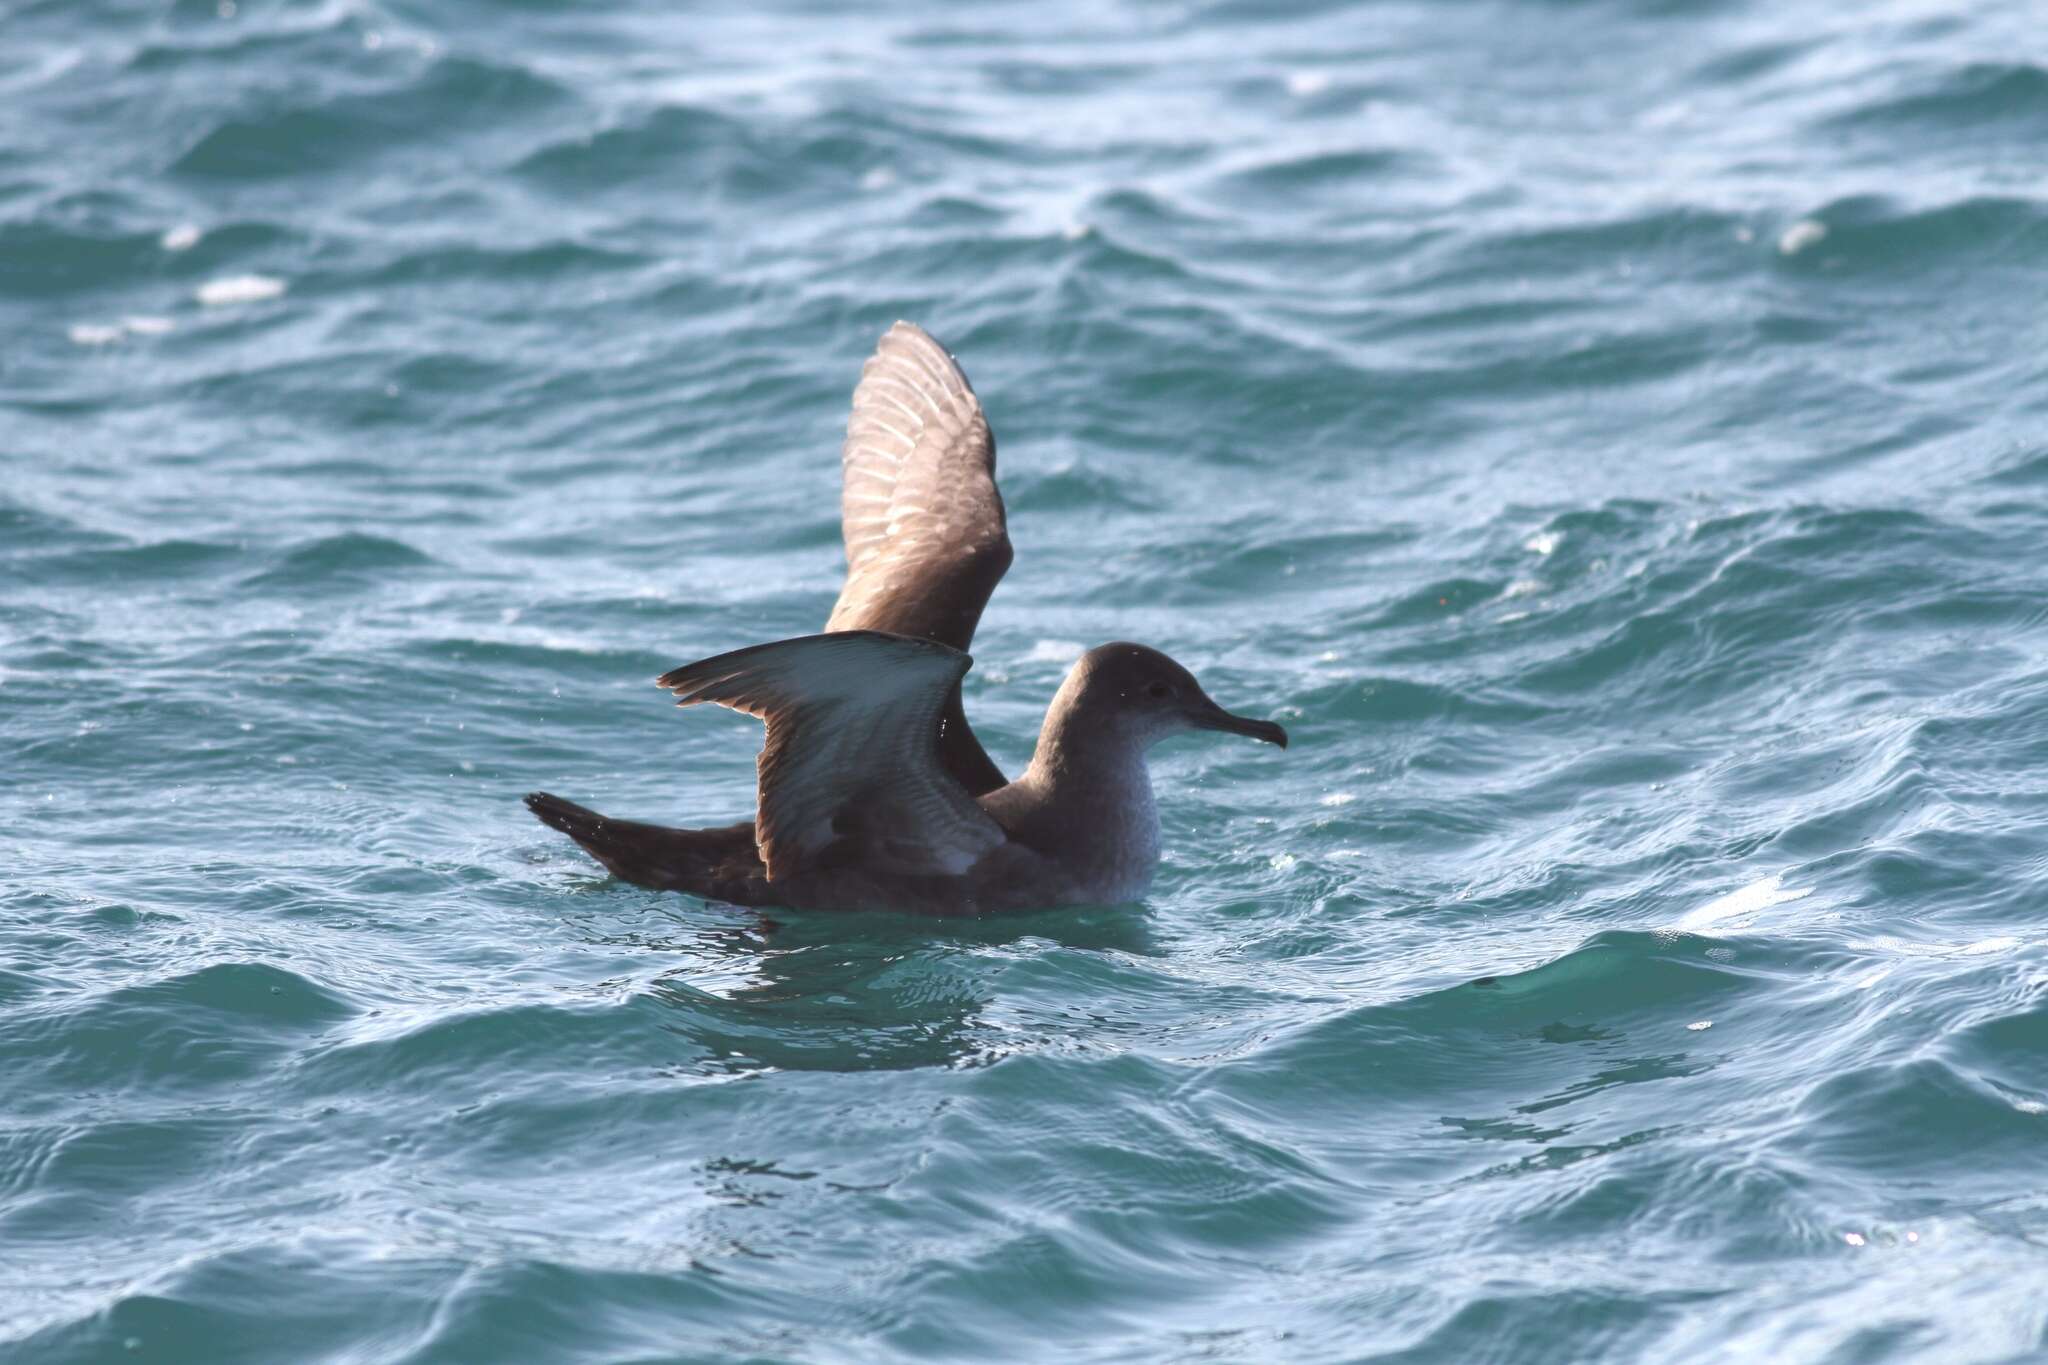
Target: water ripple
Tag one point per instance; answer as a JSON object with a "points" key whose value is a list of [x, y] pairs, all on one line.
{"points": [[1604, 435]]}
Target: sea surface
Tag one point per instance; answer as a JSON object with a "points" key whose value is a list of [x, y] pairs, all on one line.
{"points": [[1612, 436]]}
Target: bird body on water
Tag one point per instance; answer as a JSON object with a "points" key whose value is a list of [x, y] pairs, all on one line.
{"points": [[874, 791]]}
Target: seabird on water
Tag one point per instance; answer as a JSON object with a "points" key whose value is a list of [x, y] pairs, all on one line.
{"points": [[873, 791]]}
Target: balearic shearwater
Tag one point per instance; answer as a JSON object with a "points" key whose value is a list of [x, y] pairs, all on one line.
{"points": [[873, 791]]}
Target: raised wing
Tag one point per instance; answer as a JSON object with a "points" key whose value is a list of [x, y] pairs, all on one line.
{"points": [[926, 540], [851, 764]]}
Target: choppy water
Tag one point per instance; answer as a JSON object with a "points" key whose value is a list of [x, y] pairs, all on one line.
{"points": [[1610, 435]]}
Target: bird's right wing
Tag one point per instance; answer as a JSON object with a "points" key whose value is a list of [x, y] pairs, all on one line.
{"points": [[851, 762]]}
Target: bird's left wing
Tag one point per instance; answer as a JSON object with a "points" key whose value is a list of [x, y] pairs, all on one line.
{"points": [[926, 539], [851, 763]]}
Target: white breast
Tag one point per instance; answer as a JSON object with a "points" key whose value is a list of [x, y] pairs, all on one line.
{"points": [[1113, 845]]}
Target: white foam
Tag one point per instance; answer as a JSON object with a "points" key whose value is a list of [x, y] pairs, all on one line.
{"points": [[1733, 910], [239, 289], [1543, 543], [108, 333], [1339, 799], [1302, 84], [183, 237], [1801, 235], [1984, 947]]}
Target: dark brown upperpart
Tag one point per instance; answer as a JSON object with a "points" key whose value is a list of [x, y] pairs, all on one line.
{"points": [[721, 864]]}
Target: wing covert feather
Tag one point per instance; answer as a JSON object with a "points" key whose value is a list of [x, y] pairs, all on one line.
{"points": [[852, 751]]}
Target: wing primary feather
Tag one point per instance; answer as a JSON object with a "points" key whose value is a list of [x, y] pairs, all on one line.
{"points": [[926, 539]]}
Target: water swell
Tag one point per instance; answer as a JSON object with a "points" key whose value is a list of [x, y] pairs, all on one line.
{"points": [[346, 132], [1603, 435]]}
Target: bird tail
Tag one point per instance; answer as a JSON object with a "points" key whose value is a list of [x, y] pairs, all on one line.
{"points": [[721, 864]]}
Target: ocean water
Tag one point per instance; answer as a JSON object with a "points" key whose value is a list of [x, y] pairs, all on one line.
{"points": [[1609, 435]]}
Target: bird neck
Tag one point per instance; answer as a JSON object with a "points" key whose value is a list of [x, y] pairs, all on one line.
{"points": [[1079, 770], [1083, 748], [1092, 797]]}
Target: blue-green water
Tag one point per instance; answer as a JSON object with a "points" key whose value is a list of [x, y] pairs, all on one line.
{"points": [[1609, 435]]}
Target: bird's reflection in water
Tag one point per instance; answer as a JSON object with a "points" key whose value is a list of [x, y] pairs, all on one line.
{"points": [[852, 992]]}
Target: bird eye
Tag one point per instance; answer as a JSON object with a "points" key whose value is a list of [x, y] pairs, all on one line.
{"points": [[1159, 691]]}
